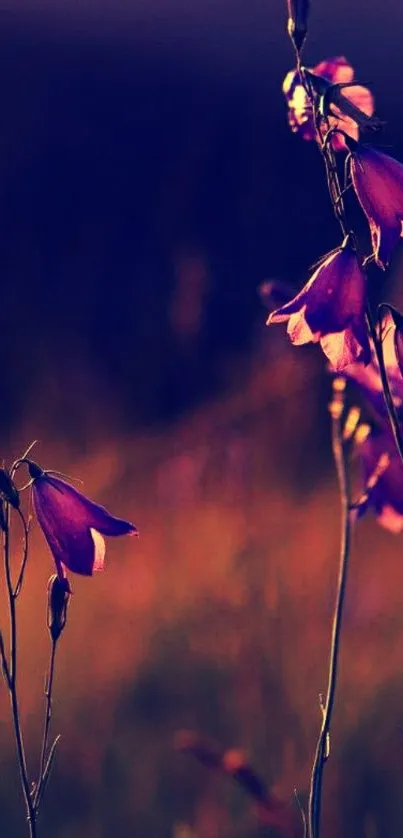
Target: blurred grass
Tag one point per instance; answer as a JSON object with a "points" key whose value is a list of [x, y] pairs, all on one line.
{"points": [[217, 619]]}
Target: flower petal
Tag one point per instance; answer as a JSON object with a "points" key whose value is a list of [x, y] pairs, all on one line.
{"points": [[345, 348], [99, 544], [299, 330], [378, 183], [72, 546], [390, 519], [73, 525]]}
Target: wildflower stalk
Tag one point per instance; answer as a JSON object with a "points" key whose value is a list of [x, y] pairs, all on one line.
{"points": [[323, 744], [10, 670], [336, 197]]}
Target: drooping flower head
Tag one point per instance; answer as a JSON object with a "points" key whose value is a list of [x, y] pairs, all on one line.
{"points": [[378, 183], [330, 309], [336, 71], [72, 524]]}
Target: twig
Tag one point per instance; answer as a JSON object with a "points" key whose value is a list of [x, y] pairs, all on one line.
{"points": [[48, 714]]}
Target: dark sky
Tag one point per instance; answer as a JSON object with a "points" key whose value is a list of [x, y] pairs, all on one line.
{"points": [[138, 136]]}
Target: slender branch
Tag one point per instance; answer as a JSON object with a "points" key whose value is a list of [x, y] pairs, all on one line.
{"points": [[12, 682], [4, 661], [18, 586], [48, 715], [322, 748]]}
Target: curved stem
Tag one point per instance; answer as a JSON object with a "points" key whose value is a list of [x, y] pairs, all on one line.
{"points": [[12, 683], [18, 586], [322, 748], [389, 403]]}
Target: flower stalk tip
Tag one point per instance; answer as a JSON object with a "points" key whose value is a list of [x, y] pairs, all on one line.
{"points": [[297, 25]]}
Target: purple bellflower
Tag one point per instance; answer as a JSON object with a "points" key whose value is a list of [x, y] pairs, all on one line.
{"points": [[72, 524], [385, 496], [378, 183], [330, 310], [300, 115]]}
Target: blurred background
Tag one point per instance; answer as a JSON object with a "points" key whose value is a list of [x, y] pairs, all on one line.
{"points": [[148, 185]]}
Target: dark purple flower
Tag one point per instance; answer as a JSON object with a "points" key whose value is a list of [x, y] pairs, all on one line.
{"points": [[72, 525], [385, 497], [378, 183], [300, 116], [330, 309]]}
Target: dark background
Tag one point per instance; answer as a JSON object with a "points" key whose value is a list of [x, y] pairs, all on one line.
{"points": [[148, 185], [136, 136]]}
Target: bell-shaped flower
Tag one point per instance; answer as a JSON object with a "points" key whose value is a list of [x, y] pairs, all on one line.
{"points": [[383, 493], [330, 310], [72, 524], [378, 184], [333, 71]]}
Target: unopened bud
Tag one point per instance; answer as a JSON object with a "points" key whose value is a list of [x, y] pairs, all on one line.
{"points": [[58, 599], [298, 11], [8, 489]]}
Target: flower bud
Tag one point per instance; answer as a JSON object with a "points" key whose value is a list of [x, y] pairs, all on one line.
{"points": [[8, 489], [58, 599], [298, 11]]}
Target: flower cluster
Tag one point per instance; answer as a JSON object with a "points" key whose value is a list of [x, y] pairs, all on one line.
{"points": [[327, 105]]}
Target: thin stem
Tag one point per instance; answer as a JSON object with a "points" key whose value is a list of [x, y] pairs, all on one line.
{"points": [[17, 589], [12, 682], [389, 403], [322, 748], [48, 715]]}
